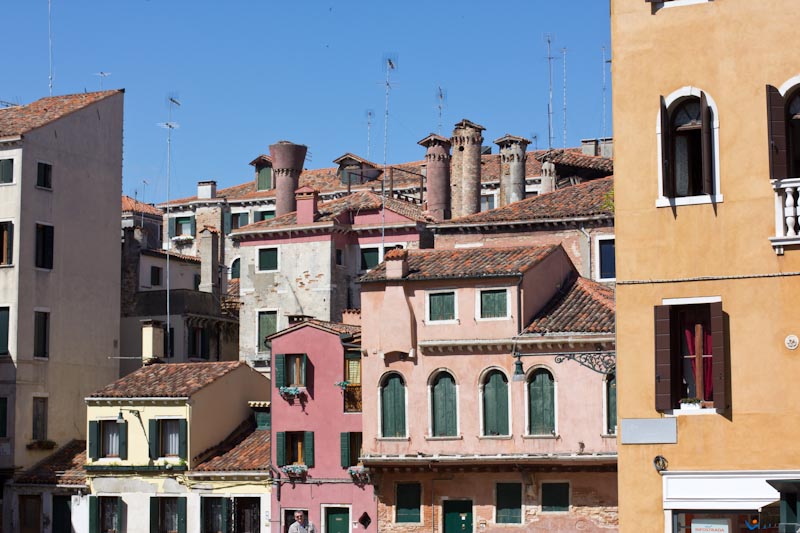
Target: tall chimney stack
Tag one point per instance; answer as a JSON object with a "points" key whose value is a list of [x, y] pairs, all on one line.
{"points": [[287, 164], [152, 340], [437, 161], [512, 168], [208, 248], [466, 183]]}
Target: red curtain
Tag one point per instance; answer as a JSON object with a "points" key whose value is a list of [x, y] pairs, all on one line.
{"points": [[708, 382]]}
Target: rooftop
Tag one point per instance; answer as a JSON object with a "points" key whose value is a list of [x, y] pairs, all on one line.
{"points": [[156, 252], [583, 306], [22, 119], [337, 328], [63, 467], [131, 205], [245, 449], [173, 380]]}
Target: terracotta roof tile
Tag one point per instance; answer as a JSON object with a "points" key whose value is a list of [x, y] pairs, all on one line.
{"points": [[157, 252], [63, 467], [247, 449], [467, 263], [22, 119], [584, 306], [173, 380], [574, 158], [337, 328], [131, 205]]}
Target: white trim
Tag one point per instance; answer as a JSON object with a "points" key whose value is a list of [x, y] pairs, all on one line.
{"points": [[322, 507], [684, 92], [258, 259], [691, 301], [680, 3], [258, 316], [721, 490], [596, 251], [481, 290], [453, 320], [495, 194], [789, 84]]}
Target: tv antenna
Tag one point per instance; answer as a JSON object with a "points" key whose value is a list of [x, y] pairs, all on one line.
{"points": [[535, 139], [102, 75], [390, 63], [6, 103], [564, 59], [549, 38], [441, 95], [145, 183], [605, 62], [50, 41], [370, 114]]}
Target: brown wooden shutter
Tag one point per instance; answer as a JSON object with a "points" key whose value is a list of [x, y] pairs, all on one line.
{"points": [[776, 127], [664, 367], [706, 144], [719, 368], [667, 179]]}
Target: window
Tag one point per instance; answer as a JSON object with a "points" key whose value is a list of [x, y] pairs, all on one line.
{"points": [[214, 513], [197, 280], [495, 404], [167, 438], [4, 316], [169, 434], [39, 419], [30, 512], [555, 497], [267, 259], [352, 375], [41, 334], [370, 258], [235, 269], [690, 360], [783, 116], [44, 175], [44, 246], [350, 448], [295, 448], [409, 500], [687, 136], [105, 514], [444, 406], [509, 503], [155, 276], [264, 179], [108, 438], [258, 216], [239, 220], [493, 303], [199, 342], [3, 417], [109, 429], [393, 407], [167, 515], [6, 171], [184, 226], [6, 243], [441, 306], [487, 202], [542, 403], [290, 370], [267, 325], [606, 269], [611, 404], [794, 134], [339, 257]]}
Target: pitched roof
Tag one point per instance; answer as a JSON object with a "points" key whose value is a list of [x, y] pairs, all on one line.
{"points": [[22, 119], [173, 380], [63, 467], [583, 306], [466, 263], [586, 199], [157, 252], [575, 158], [131, 205], [337, 328], [245, 449]]}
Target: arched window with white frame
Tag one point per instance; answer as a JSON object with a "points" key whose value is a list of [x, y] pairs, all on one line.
{"points": [[393, 406], [541, 403], [444, 405], [495, 404]]}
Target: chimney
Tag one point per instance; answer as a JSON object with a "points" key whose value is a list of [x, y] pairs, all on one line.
{"points": [[351, 317], [152, 340], [437, 170], [396, 263], [206, 190], [548, 182], [512, 168], [589, 147], [466, 180], [287, 164], [306, 200], [606, 147], [208, 248]]}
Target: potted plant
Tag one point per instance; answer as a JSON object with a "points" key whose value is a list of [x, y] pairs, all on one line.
{"points": [[295, 471], [41, 445], [290, 392], [691, 403], [342, 384], [359, 473]]}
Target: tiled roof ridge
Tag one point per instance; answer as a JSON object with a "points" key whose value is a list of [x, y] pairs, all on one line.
{"points": [[567, 305], [68, 453], [602, 294], [228, 443], [132, 205], [174, 368], [16, 115]]}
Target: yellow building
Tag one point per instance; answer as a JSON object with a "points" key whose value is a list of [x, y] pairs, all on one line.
{"points": [[707, 142]]}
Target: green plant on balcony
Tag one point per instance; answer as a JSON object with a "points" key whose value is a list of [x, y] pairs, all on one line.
{"points": [[295, 471], [342, 384], [290, 392]]}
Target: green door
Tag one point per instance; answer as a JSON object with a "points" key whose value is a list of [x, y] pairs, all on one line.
{"points": [[62, 514], [457, 516], [337, 520]]}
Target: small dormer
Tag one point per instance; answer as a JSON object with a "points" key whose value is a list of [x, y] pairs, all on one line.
{"points": [[263, 166], [354, 170]]}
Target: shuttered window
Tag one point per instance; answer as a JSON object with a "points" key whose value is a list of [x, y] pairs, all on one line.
{"points": [[441, 306], [393, 407], [370, 258], [105, 514], [4, 324], [509, 503], [264, 180], [167, 515], [6, 171], [542, 411], [495, 404], [778, 142], [611, 404], [40, 419], [687, 147], [409, 500], [235, 269], [41, 334], [444, 407], [294, 448], [267, 325], [6, 243], [258, 216], [44, 246], [214, 513], [308, 448], [350, 445], [494, 303], [268, 259], [555, 497], [184, 227], [168, 438]]}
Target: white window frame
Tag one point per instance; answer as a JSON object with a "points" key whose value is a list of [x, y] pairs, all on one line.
{"points": [[14, 246], [381, 251], [277, 325], [680, 3], [527, 428], [380, 405], [481, 434], [258, 261], [596, 252], [479, 291], [454, 320], [522, 503], [670, 100], [16, 174], [541, 494], [430, 435], [495, 194]]}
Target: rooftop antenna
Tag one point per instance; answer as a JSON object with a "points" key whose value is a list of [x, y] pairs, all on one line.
{"points": [[169, 126], [6, 103], [50, 41], [535, 139], [102, 75], [605, 62], [550, 58], [390, 64], [145, 183], [564, 58], [369, 132], [440, 95]]}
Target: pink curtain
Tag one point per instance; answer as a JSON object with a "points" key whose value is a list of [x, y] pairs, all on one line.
{"points": [[708, 382]]}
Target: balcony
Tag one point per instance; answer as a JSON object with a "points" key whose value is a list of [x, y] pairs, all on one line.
{"points": [[787, 230], [352, 399]]}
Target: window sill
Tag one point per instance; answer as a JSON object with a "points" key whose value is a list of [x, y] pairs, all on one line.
{"points": [[441, 322], [495, 437], [680, 3], [42, 188], [606, 280], [43, 269], [7, 184], [11, 265], [663, 201], [542, 437], [267, 271], [608, 436], [692, 412], [445, 438], [393, 439], [40, 358], [492, 319]]}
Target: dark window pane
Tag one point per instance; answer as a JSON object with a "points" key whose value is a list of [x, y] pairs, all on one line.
{"points": [[155, 276], [41, 337], [555, 497], [4, 316], [44, 246], [44, 175], [408, 502], [6, 171], [509, 503], [369, 258], [235, 272], [268, 259], [608, 266]]}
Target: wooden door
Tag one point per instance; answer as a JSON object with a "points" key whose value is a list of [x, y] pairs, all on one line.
{"points": [[457, 516]]}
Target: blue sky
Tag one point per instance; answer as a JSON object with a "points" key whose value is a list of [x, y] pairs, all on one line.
{"points": [[250, 73]]}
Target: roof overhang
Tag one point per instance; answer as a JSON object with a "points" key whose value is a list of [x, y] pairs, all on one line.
{"points": [[517, 460], [540, 342], [164, 400], [464, 226]]}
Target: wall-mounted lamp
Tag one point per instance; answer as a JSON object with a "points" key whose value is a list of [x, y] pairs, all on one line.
{"points": [[136, 412], [519, 372], [660, 463], [600, 361]]}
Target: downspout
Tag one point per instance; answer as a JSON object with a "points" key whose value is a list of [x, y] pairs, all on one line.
{"points": [[589, 245], [520, 291], [276, 483]]}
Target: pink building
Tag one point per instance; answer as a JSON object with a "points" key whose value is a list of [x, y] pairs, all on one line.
{"points": [[461, 436], [317, 428]]}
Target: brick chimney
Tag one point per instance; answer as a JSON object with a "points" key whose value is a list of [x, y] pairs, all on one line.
{"points": [[152, 340], [206, 190], [396, 263], [437, 161], [465, 189], [512, 168], [548, 177], [306, 199], [287, 164], [208, 248]]}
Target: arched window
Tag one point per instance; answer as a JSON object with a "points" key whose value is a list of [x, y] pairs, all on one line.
{"points": [[444, 408], [542, 403], [794, 134], [611, 404], [495, 404], [235, 269], [393, 406], [687, 147]]}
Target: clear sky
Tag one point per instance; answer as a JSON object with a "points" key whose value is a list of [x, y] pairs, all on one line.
{"points": [[250, 73]]}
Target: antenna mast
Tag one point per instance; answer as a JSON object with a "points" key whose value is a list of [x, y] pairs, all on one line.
{"points": [[50, 41], [564, 56], [390, 66], [169, 125], [550, 58], [369, 132], [102, 75], [440, 96], [604, 91]]}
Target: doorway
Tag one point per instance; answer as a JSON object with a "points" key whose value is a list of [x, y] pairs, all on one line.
{"points": [[246, 513], [457, 516], [30, 513], [337, 520], [62, 514]]}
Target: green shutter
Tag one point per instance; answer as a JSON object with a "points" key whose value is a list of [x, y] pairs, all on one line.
{"points": [[183, 439], [611, 404], [123, 440], [495, 405], [279, 377], [444, 406], [4, 317], [308, 448], [192, 226], [408, 502], [302, 376], [171, 227], [494, 304], [181, 515], [204, 507], [264, 179], [280, 445], [267, 325], [393, 409], [268, 259], [441, 306], [94, 515], [344, 441], [369, 258], [94, 440], [3, 417], [224, 517], [119, 513], [226, 222], [154, 514], [509, 503], [244, 219], [541, 395], [154, 439], [235, 269], [263, 420]]}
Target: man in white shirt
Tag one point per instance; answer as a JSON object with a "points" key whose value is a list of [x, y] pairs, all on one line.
{"points": [[300, 525]]}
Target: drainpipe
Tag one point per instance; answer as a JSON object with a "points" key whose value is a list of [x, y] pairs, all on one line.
{"points": [[589, 244], [278, 482]]}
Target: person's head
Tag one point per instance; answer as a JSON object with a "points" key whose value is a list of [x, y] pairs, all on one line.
{"points": [[299, 516]]}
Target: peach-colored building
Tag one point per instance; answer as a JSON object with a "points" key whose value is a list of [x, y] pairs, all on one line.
{"points": [[458, 436]]}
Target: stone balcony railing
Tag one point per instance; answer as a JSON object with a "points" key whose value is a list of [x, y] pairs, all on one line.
{"points": [[787, 229]]}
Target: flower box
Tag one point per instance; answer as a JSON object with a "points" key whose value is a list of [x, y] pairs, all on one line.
{"points": [[40, 445], [689, 404], [360, 474], [342, 384], [290, 392], [295, 471]]}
